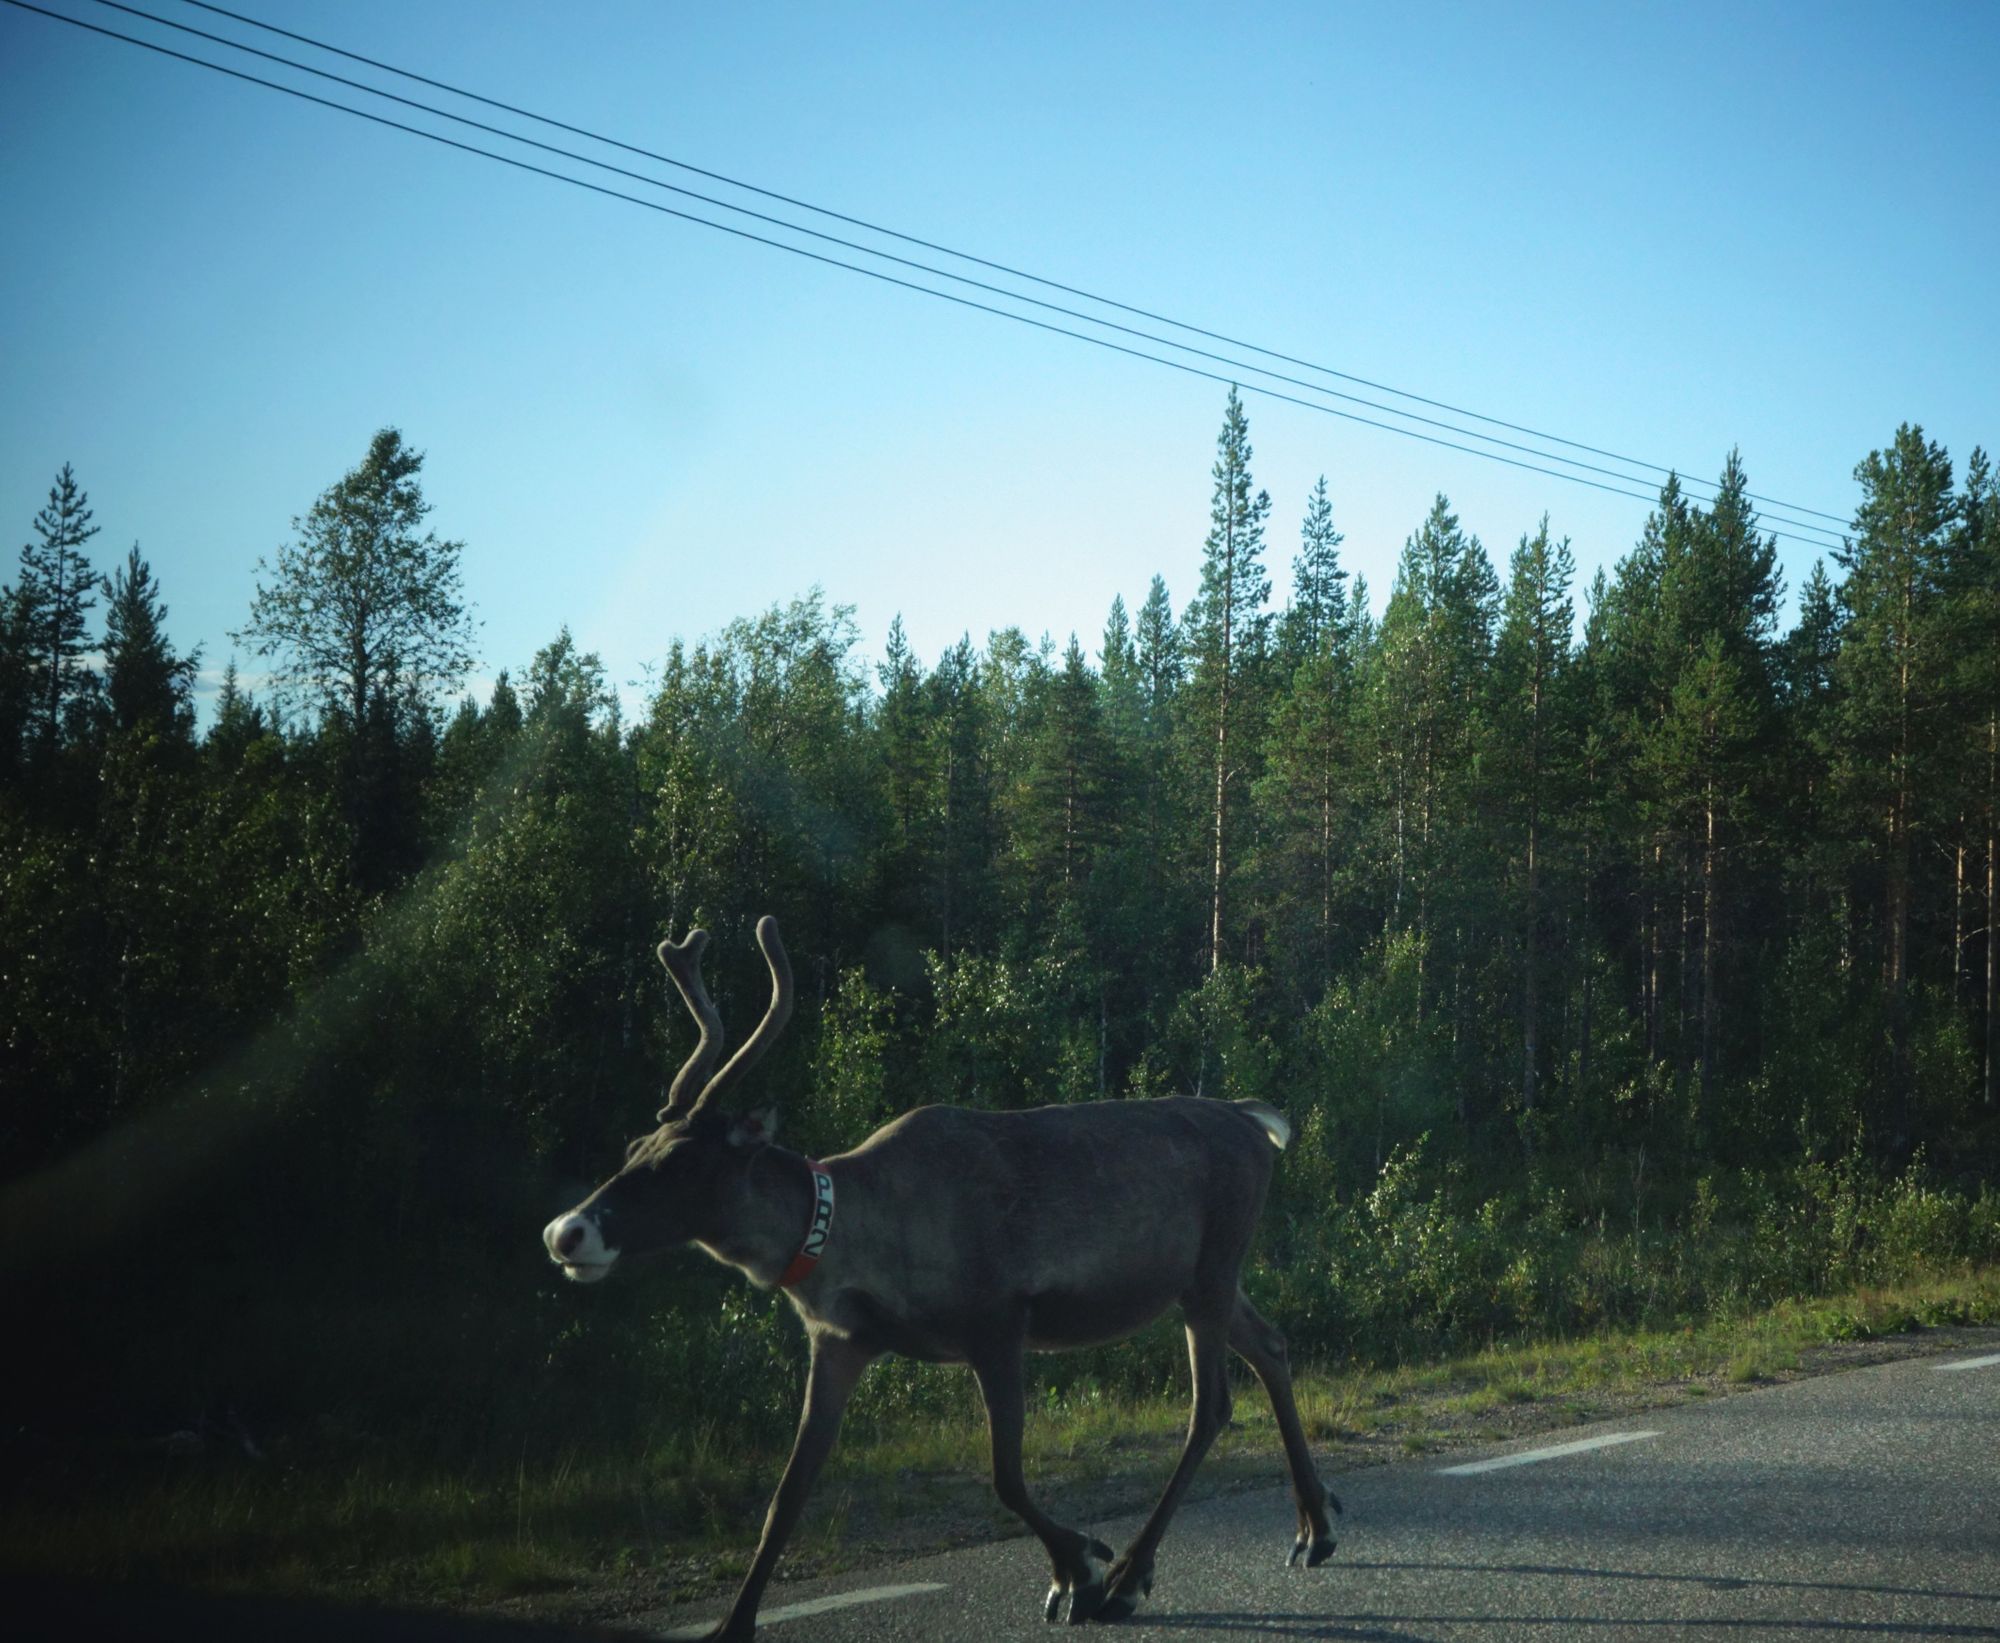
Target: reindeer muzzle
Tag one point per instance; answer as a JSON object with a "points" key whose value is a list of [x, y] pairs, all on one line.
{"points": [[576, 1244]]}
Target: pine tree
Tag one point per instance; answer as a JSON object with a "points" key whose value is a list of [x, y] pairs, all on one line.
{"points": [[1435, 640], [1533, 745], [366, 621], [1714, 773], [1305, 796], [360, 599], [52, 598], [1634, 668], [1976, 563], [1896, 666], [1806, 663], [1226, 639]]}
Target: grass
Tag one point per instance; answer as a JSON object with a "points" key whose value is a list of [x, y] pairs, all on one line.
{"points": [[682, 1509]]}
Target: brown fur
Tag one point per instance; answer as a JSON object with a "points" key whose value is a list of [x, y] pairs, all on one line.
{"points": [[971, 1237]]}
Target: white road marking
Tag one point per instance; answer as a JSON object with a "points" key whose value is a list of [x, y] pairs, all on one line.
{"points": [[820, 1605], [1970, 1363], [1528, 1457]]}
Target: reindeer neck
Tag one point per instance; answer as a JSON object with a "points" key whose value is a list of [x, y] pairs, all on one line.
{"points": [[768, 1219]]}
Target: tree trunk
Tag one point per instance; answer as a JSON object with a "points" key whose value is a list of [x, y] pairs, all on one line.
{"points": [[1708, 911], [1228, 596], [1221, 793], [1992, 1090], [1897, 968], [1655, 919], [1103, 1037], [1958, 917], [1530, 994], [1530, 980], [1326, 867], [1069, 822]]}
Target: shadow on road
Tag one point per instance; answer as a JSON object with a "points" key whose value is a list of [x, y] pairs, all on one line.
{"points": [[1365, 1627], [1381, 1628], [1714, 1583], [38, 1609]]}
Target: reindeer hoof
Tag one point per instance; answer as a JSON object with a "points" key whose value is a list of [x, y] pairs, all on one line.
{"points": [[1088, 1592], [1085, 1602], [1117, 1600], [1315, 1549]]}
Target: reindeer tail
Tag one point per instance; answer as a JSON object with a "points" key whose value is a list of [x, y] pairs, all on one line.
{"points": [[1271, 1121]]}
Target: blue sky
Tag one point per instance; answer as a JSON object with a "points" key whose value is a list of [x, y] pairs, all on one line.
{"points": [[1662, 230]]}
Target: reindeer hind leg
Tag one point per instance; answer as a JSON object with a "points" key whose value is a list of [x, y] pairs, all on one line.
{"points": [[1261, 1345]]}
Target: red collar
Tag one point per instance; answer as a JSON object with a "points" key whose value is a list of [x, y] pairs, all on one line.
{"points": [[817, 1228]]}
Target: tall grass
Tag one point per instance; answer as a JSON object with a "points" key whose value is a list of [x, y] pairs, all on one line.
{"points": [[475, 1447]]}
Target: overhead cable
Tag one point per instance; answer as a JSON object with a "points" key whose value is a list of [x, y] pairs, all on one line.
{"points": [[835, 262], [906, 262], [984, 262]]}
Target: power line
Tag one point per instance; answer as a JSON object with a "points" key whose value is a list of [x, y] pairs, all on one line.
{"points": [[834, 262], [870, 251], [997, 267]]}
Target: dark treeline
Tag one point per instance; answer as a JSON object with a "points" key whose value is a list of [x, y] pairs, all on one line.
{"points": [[1549, 914]]}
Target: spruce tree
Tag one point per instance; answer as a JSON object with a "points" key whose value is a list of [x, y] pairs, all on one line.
{"points": [[239, 721], [904, 735], [962, 875], [15, 685], [1319, 599], [1062, 823], [146, 685], [1156, 644], [1152, 865], [1118, 671]]}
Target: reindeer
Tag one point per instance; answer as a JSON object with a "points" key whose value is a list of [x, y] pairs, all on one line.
{"points": [[961, 1236]]}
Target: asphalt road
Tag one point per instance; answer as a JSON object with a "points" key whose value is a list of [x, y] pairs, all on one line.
{"points": [[1857, 1504]]}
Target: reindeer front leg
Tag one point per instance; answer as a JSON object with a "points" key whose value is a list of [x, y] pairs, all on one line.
{"points": [[837, 1364], [1076, 1561]]}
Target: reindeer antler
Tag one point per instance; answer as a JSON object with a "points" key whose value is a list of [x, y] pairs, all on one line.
{"points": [[775, 1017], [682, 960]]}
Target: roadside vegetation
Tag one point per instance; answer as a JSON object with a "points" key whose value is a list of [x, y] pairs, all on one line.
{"points": [[671, 1514]]}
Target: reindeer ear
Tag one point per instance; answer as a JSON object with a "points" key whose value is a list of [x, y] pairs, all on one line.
{"points": [[757, 1128]]}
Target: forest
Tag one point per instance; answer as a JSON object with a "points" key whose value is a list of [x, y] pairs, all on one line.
{"points": [[1618, 951]]}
